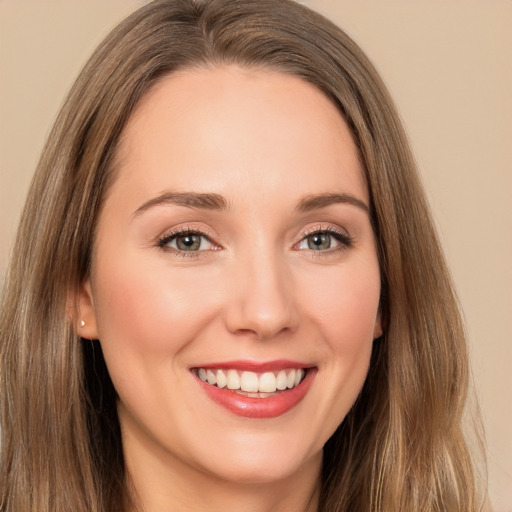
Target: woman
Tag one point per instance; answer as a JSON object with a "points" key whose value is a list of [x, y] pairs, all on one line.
{"points": [[226, 289]]}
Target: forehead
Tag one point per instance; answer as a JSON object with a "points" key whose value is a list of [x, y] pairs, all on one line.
{"points": [[231, 129]]}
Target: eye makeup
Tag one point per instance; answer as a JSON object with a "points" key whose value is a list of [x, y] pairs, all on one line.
{"points": [[324, 243], [187, 241], [323, 240]]}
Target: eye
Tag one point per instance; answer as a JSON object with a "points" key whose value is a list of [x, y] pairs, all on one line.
{"points": [[323, 240], [186, 241]]}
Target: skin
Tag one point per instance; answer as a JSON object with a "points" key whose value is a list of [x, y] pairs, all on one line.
{"points": [[264, 141]]}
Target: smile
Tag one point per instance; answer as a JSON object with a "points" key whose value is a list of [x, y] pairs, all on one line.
{"points": [[252, 384], [256, 390]]}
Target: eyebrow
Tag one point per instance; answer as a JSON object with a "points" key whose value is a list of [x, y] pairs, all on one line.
{"points": [[216, 202], [317, 201], [189, 199]]}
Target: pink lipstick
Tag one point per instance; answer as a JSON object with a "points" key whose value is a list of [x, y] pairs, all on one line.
{"points": [[253, 389]]}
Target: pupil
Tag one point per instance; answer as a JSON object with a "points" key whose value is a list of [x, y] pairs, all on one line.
{"points": [[319, 241], [189, 242]]}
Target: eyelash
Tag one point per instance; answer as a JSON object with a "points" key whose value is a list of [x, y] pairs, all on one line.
{"points": [[345, 241], [169, 237]]}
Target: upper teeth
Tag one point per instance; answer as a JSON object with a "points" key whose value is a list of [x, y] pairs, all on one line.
{"points": [[251, 382]]}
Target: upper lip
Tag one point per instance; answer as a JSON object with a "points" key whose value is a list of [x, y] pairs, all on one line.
{"points": [[255, 366]]}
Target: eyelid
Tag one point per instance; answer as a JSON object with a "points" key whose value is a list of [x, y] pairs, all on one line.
{"points": [[342, 236], [164, 239], [323, 227]]}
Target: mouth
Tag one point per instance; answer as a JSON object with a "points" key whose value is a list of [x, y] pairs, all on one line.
{"points": [[252, 384], [256, 391]]}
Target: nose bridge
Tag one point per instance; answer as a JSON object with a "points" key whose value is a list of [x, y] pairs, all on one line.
{"points": [[262, 298]]}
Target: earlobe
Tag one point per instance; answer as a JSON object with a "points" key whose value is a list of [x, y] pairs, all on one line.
{"points": [[85, 316]]}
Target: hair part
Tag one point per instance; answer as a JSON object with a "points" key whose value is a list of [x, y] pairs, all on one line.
{"points": [[401, 447]]}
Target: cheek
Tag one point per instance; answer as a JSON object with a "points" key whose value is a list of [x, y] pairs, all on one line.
{"points": [[344, 308], [147, 317], [345, 304], [145, 310]]}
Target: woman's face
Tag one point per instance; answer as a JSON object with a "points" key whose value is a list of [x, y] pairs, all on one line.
{"points": [[234, 246]]}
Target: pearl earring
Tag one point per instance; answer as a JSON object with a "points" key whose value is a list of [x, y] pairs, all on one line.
{"points": [[82, 323]]}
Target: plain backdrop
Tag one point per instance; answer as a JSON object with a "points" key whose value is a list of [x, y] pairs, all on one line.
{"points": [[448, 65]]}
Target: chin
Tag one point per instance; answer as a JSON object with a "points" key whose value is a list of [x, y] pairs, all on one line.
{"points": [[264, 462]]}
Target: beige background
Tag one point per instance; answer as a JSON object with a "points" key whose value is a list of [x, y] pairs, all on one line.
{"points": [[448, 65]]}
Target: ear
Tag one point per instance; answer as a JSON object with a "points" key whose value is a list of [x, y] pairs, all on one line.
{"points": [[84, 314], [377, 330]]}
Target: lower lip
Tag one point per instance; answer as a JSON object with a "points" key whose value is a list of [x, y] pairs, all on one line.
{"points": [[269, 407]]}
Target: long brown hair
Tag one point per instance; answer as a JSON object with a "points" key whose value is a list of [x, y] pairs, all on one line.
{"points": [[400, 448]]}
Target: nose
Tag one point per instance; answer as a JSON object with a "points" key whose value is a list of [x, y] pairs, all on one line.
{"points": [[261, 299]]}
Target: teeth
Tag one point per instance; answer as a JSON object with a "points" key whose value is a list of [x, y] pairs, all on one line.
{"points": [[290, 382], [249, 382], [221, 379], [233, 380], [281, 380], [267, 383], [211, 377], [252, 383]]}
